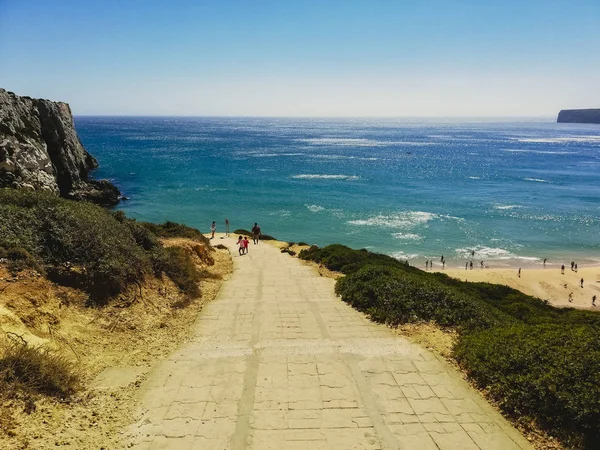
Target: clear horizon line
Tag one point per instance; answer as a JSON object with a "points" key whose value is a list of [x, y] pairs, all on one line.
{"points": [[531, 116]]}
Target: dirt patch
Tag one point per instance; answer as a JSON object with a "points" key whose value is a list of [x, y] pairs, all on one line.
{"points": [[138, 328]]}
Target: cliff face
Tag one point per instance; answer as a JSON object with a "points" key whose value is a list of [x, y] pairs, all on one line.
{"points": [[579, 116], [40, 150]]}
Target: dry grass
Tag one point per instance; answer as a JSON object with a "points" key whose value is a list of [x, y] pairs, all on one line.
{"points": [[26, 372]]}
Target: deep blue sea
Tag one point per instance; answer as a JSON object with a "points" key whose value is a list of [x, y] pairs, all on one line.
{"points": [[514, 192]]}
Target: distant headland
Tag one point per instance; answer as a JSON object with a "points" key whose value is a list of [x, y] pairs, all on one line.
{"points": [[579, 116]]}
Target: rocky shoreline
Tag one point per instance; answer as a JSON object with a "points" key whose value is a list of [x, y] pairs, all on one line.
{"points": [[40, 150]]}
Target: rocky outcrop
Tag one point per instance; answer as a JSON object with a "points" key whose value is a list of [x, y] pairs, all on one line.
{"points": [[579, 116], [40, 150]]}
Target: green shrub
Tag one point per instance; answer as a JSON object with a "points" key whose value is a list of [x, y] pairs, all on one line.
{"points": [[394, 296], [302, 243], [28, 371], [545, 372], [84, 245], [173, 230], [179, 266], [347, 260], [19, 259]]}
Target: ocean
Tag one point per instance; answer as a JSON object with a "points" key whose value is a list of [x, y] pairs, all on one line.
{"points": [[511, 191]]}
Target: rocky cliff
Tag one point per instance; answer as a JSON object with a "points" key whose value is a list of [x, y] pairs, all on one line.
{"points": [[40, 150], [579, 116]]}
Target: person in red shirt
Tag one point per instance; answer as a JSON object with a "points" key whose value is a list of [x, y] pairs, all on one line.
{"points": [[246, 242]]}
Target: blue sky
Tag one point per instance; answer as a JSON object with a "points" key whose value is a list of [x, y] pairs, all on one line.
{"points": [[304, 58]]}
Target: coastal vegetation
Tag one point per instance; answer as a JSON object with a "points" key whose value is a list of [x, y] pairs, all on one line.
{"points": [[538, 363], [82, 245]]}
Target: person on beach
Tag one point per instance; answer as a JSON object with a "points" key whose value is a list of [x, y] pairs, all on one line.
{"points": [[246, 242], [581, 282], [472, 252], [471, 265], [444, 264], [213, 228], [426, 264], [575, 267], [562, 269], [594, 300], [570, 297], [544, 262], [519, 273], [255, 233], [482, 264], [466, 265], [240, 244], [226, 227]]}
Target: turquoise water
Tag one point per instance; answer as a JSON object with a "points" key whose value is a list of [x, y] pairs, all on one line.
{"points": [[512, 192]]}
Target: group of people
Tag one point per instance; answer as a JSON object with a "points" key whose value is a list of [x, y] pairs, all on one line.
{"points": [[243, 241]]}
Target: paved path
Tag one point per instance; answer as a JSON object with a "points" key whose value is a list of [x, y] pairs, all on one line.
{"points": [[278, 362]]}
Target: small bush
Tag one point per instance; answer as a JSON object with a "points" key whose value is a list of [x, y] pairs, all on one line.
{"points": [[29, 371], [394, 297], [19, 259], [178, 265], [545, 372], [173, 230], [302, 243]]}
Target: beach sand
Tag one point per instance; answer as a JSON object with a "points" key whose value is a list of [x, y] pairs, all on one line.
{"points": [[544, 283]]}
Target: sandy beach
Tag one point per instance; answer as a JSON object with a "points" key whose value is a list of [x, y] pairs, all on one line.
{"points": [[545, 283]]}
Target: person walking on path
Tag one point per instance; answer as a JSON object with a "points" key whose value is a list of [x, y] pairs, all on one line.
{"points": [[594, 300], [213, 228], [562, 269], [255, 233], [240, 244], [581, 282], [572, 264], [246, 242], [226, 227]]}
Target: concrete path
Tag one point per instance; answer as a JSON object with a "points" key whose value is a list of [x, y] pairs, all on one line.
{"points": [[278, 362]]}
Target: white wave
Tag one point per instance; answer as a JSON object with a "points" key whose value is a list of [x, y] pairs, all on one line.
{"points": [[401, 220], [537, 180], [482, 252], [562, 140], [273, 155], [361, 142], [407, 236], [475, 178], [281, 213], [539, 152], [507, 206], [325, 177], [404, 256], [343, 157], [314, 208]]}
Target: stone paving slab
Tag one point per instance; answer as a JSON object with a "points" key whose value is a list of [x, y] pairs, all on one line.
{"points": [[278, 362]]}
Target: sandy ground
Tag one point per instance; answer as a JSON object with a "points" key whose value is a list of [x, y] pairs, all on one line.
{"points": [[114, 347], [545, 283]]}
